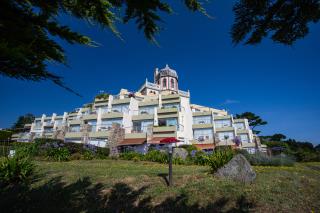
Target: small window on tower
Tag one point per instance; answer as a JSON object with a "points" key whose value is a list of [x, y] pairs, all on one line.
{"points": [[164, 82], [172, 83]]}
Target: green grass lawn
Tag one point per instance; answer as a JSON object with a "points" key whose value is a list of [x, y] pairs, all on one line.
{"points": [[127, 186]]}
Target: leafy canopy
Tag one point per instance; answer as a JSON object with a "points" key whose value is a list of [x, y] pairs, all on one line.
{"points": [[29, 28], [286, 20], [254, 120], [22, 120]]}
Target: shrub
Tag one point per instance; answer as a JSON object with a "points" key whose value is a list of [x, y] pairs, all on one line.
{"points": [[88, 155], [75, 156], [201, 158], [156, 156], [74, 147], [102, 152], [189, 149], [26, 149], [219, 158], [15, 170], [261, 159], [58, 154], [178, 161], [131, 156]]}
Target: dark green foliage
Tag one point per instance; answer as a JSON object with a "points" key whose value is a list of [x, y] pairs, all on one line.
{"points": [[130, 155], [15, 170], [5, 134], [104, 96], [88, 155], [286, 21], [22, 120], [28, 29], [201, 158], [157, 156], [253, 119], [300, 151], [219, 158], [58, 154], [261, 159], [102, 152]]}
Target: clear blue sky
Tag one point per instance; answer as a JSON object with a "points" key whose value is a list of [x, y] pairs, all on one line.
{"points": [[279, 83]]}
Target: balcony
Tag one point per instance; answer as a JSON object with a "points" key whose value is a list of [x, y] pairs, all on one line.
{"points": [[112, 115], [194, 114], [173, 96], [149, 103], [90, 116], [143, 117], [160, 129], [121, 101], [202, 126], [73, 135], [225, 129], [99, 134], [168, 110]]}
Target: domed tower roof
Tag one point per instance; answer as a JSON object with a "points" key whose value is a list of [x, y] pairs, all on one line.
{"points": [[167, 71]]}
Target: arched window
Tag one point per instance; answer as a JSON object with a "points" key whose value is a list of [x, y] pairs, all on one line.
{"points": [[164, 82], [172, 83]]}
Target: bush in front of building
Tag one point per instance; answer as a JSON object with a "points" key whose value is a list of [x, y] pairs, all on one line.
{"points": [[58, 154], [88, 155], [15, 170], [219, 158], [156, 156]]}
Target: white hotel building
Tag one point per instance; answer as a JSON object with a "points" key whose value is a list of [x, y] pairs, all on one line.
{"points": [[157, 110]]}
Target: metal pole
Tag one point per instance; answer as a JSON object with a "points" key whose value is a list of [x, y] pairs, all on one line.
{"points": [[170, 168]]}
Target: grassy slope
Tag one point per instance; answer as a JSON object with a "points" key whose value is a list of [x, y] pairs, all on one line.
{"points": [[108, 185]]}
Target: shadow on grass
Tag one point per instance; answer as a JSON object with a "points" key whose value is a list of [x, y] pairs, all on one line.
{"points": [[84, 196]]}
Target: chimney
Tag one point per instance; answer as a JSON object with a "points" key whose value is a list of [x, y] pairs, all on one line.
{"points": [[156, 72]]}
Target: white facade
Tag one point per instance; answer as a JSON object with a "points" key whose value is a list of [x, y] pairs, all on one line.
{"points": [[156, 111]]}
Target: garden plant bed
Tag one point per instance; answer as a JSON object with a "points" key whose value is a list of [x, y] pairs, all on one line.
{"points": [[118, 185]]}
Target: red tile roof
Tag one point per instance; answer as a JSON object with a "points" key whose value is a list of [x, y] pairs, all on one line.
{"points": [[132, 141]]}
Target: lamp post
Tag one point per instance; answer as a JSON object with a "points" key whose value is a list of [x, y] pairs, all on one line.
{"points": [[170, 141], [170, 164], [226, 138]]}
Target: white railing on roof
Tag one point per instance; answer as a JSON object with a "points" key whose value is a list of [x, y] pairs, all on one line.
{"points": [[184, 93]]}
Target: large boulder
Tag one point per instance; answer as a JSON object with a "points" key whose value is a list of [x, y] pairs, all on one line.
{"points": [[238, 169]]}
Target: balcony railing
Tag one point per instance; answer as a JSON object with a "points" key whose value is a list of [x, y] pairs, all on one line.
{"points": [[184, 93], [201, 138]]}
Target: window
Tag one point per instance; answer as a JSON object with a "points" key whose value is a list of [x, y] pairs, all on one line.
{"points": [[239, 125], [222, 123], [172, 83], [120, 108], [107, 124], [202, 120], [244, 138], [147, 110], [202, 134], [58, 122], [92, 124], [74, 128], [104, 109], [168, 122], [164, 82], [142, 126], [223, 136], [173, 105]]}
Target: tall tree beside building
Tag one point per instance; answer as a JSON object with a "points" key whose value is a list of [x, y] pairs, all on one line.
{"points": [[253, 119], [22, 120], [285, 21]]}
